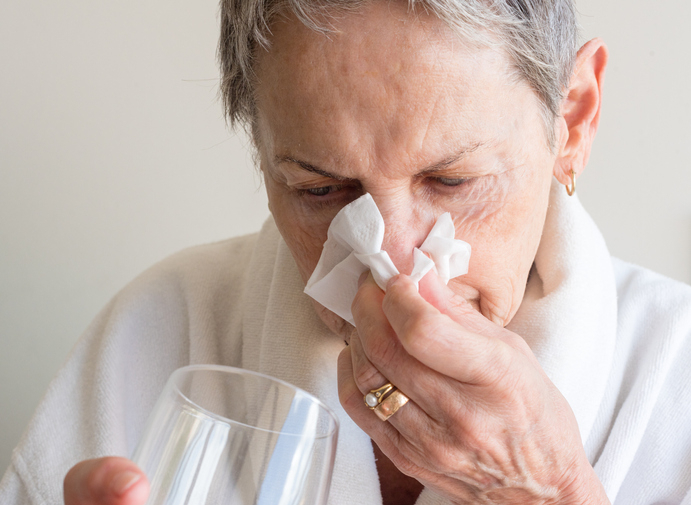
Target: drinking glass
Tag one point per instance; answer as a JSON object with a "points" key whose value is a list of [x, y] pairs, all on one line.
{"points": [[222, 435]]}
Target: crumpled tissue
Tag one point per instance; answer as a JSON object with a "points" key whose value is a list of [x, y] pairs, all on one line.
{"points": [[353, 246]]}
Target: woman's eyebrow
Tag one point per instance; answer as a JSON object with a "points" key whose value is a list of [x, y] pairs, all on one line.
{"points": [[309, 167], [440, 165], [450, 160]]}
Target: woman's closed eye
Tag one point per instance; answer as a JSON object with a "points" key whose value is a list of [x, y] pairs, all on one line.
{"points": [[452, 181], [323, 190], [331, 192]]}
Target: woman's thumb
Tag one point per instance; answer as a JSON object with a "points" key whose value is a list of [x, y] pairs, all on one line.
{"points": [[446, 301]]}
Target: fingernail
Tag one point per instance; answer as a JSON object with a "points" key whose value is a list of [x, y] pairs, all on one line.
{"points": [[392, 281], [123, 481], [363, 278]]}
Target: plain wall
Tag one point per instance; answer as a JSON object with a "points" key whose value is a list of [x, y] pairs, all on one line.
{"points": [[114, 154]]}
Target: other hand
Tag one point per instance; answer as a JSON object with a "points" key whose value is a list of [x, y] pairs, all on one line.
{"points": [[106, 481]]}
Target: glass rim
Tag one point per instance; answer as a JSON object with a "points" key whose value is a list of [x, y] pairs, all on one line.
{"points": [[231, 369]]}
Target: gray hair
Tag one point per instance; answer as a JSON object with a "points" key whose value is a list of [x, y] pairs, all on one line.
{"points": [[540, 36]]}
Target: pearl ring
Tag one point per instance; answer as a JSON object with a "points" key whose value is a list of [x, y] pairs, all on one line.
{"points": [[385, 401]]}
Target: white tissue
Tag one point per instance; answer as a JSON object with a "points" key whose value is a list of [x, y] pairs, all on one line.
{"points": [[353, 246]]}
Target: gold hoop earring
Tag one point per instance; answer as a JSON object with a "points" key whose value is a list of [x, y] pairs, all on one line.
{"points": [[570, 190]]}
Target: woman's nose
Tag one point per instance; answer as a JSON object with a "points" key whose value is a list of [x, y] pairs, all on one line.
{"points": [[404, 230]]}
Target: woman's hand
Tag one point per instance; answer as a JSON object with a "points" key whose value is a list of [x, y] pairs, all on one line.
{"points": [[106, 481], [484, 424]]}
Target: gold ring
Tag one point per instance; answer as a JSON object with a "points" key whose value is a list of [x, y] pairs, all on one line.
{"points": [[376, 396], [390, 405]]}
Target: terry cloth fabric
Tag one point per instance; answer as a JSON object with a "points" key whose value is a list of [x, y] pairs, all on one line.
{"points": [[615, 338]]}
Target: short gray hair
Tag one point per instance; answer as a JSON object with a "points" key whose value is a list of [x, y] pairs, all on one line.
{"points": [[540, 36]]}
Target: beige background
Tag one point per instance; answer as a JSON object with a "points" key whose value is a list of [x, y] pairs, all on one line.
{"points": [[114, 154]]}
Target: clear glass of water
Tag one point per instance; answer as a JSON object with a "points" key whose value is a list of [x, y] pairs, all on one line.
{"points": [[222, 435]]}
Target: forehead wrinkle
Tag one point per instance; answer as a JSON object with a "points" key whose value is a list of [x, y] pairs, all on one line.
{"points": [[389, 68], [389, 81], [360, 130]]}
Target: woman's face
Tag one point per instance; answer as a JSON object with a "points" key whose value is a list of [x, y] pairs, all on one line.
{"points": [[396, 105]]}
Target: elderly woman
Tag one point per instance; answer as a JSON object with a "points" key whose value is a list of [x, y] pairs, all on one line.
{"points": [[549, 373]]}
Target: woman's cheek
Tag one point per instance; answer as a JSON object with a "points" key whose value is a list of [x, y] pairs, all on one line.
{"points": [[479, 211], [504, 235], [303, 233], [488, 220], [304, 240]]}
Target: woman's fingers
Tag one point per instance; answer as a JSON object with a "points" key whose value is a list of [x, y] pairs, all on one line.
{"points": [[106, 481], [412, 418], [370, 320], [399, 437], [441, 342], [352, 400], [365, 375], [379, 357], [444, 299]]}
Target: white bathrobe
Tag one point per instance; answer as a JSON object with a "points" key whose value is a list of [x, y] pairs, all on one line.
{"points": [[614, 338]]}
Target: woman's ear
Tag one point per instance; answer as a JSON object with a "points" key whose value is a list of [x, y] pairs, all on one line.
{"points": [[581, 110]]}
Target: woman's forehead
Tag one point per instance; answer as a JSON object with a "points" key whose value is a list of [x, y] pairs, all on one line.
{"points": [[378, 34], [386, 79]]}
